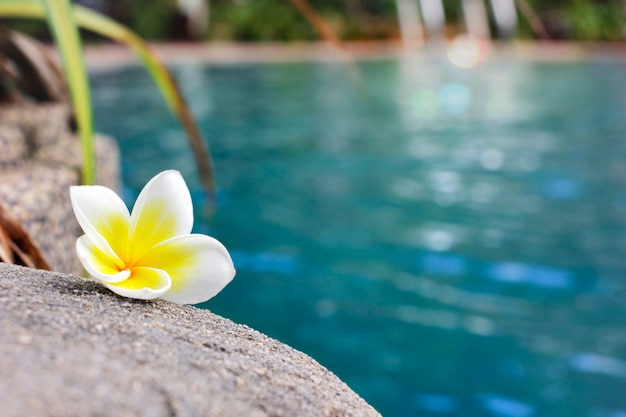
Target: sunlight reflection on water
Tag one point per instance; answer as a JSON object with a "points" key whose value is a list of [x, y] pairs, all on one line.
{"points": [[448, 241]]}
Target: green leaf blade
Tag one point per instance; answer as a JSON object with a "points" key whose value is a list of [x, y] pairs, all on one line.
{"points": [[65, 32], [105, 26]]}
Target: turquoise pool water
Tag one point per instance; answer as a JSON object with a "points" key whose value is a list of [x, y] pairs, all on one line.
{"points": [[449, 242]]}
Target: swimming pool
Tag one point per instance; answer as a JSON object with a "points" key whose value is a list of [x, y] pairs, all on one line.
{"points": [[449, 242]]}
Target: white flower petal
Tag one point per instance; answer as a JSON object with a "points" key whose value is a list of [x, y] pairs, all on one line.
{"points": [[143, 284], [103, 216], [199, 266], [97, 263], [163, 210]]}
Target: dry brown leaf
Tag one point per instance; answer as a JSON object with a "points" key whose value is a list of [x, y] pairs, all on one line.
{"points": [[16, 246], [5, 247], [30, 69]]}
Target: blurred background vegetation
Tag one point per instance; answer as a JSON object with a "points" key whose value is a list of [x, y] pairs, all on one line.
{"points": [[279, 20]]}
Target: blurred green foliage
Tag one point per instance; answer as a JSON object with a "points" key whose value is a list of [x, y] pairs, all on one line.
{"points": [[278, 20], [580, 20], [258, 20], [604, 21]]}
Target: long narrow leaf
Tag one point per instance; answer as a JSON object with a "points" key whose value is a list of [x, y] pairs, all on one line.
{"points": [[61, 21], [533, 19], [102, 25], [164, 80], [329, 36]]}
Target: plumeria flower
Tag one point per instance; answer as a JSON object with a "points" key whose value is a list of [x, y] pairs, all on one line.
{"points": [[149, 253]]}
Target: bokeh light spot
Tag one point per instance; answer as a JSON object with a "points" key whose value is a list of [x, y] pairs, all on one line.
{"points": [[455, 98], [425, 104], [491, 159], [467, 51]]}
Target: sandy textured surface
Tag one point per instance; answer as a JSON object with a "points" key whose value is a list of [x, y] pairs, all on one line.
{"points": [[69, 347]]}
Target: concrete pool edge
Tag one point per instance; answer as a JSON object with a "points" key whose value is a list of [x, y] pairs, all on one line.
{"points": [[106, 56]]}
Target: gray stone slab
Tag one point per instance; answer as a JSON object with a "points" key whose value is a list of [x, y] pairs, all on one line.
{"points": [[40, 158], [39, 197], [69, 347]]}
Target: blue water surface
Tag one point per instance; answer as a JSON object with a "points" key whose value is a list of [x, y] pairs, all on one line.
{"points": [[449, 242]]}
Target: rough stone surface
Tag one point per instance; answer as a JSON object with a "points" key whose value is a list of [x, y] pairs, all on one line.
{"points": [[38, 196], [69, 347], [39, 160]]}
